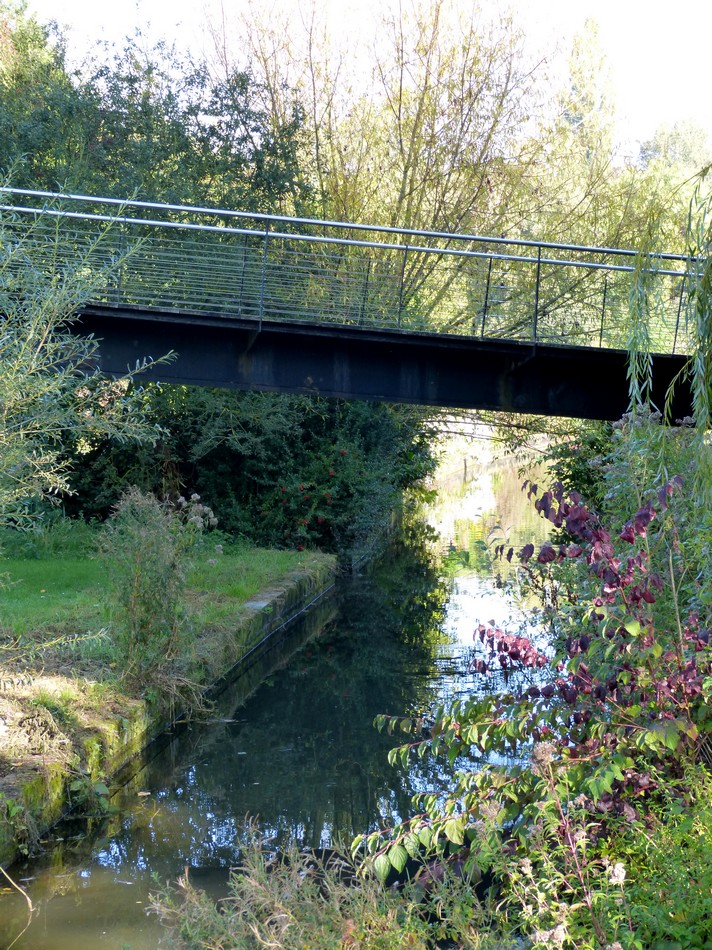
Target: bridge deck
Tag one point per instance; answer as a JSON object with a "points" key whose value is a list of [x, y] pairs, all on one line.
{"points": [[385, 365], [355, 310]]}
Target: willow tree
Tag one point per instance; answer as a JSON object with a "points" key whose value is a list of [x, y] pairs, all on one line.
{"points": [[425, 129], [51, 390]]}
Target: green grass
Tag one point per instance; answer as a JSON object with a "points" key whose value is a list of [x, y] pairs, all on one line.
{"points": [[52, 594], [57, 608], [48, 592], [236, 577]]}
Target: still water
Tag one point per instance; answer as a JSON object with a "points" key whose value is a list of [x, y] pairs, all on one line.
{"points": [[299, 752]]}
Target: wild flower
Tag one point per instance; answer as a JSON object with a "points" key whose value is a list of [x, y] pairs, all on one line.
{"points": [[543, 755], [551, 938]]}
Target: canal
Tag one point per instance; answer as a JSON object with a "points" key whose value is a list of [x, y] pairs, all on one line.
{"points": [[298, 752]]}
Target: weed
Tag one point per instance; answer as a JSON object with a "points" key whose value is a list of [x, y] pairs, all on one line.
{"points": [[58, 705], [142, 551], [323, 901]]}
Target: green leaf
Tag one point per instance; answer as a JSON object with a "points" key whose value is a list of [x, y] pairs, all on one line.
{"points": [[382, 867], [100, 788], [455, 830], [398, 856], [666, 733], [425, 836], [412, 845]]}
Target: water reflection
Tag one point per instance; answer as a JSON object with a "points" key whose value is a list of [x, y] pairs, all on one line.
{"points": [[300, 753]]}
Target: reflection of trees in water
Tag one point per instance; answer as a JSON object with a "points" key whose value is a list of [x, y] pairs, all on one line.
{"points": [[302, 754], [486, 511]]}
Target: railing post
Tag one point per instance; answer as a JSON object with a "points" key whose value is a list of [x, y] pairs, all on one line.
{"points": [[536, 296], [603, 311], [486, 300], [120, 269], [679, 311], [264, 271], [402, 281]]}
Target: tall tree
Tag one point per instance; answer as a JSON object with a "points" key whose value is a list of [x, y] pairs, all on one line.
{"points": [[141, 121], [50, 392], [42, 112], [433, 139]]}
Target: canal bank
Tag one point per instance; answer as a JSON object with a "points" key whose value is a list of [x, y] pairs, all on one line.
{"points": [[67, 741]]}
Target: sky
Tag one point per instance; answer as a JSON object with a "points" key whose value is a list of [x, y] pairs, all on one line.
{"points": [[659, 60]]}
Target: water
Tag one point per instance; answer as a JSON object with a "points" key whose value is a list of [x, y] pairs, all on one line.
{"points": [[299, 752]]}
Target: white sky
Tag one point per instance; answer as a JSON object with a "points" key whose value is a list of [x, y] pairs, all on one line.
{"points": [[658, 52]]}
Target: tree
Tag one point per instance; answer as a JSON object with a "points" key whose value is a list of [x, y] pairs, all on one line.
{"points": [[431, 139], [50, 389], [682, 146], [139, 122], [42, 112], [170, 130]]}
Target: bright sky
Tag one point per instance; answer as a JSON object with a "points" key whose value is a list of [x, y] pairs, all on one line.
{"points": [[658, 53]]}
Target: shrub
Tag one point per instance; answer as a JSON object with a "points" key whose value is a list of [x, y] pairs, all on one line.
{"points": [[141, 546], [609, 745], [322, 901]]}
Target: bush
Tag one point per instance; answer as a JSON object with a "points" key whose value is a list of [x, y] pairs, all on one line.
{"points": [[608, 744], [142, 548], [321, 901]]}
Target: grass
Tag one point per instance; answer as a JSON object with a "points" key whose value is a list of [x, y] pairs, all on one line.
{"points": [[48, 592], [217, 586], [56, 609]]}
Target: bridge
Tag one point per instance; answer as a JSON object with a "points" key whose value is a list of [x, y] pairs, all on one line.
{"points": [[267, 302]]}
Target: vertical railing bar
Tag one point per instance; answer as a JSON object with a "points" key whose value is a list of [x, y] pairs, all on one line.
{"points": [[264, 269], [679, 311], [364, 295], [120, 273], [536, 296], [242, 274], [603, 311], [402, 281], [486, 300]]}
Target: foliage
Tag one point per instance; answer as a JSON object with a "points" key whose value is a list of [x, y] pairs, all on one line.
{"points": [[39, 105], [50, 389], [285, 471], [17, 817], [89, 795], [576, 459], [318, 899], [609, 741], [139, 122], [144, 545]]}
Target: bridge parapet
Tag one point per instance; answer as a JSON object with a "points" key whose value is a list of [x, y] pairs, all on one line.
{"points": [[192, 260]]}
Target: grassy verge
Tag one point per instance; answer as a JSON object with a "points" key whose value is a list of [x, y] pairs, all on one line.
{"points": [[68, 716], [68, 595]]}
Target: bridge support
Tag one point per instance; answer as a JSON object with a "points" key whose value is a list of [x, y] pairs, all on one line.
{"points": [[379, 365]]}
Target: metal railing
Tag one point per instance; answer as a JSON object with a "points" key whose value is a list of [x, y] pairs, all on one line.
{"points": [[267, 267]]}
